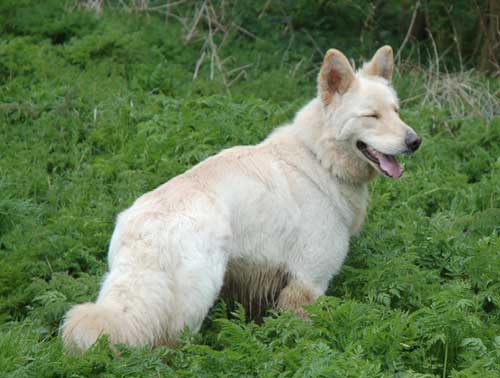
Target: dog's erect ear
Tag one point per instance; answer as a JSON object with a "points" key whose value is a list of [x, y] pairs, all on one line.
{"points": [[381, 63], [336, 75]]}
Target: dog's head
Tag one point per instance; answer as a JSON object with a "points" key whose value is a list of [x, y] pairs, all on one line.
{"points": [[362, 110]]}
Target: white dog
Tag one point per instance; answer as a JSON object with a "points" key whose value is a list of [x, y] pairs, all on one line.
{"points": [[267, 224]]}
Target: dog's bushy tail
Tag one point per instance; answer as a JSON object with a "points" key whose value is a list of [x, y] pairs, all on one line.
{"points": [[86, 322]]}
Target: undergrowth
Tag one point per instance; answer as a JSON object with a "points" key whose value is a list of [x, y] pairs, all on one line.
{"points": [[95, 111]]}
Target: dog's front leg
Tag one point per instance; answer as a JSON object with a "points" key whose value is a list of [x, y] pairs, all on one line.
{"points": [[295, 295]]}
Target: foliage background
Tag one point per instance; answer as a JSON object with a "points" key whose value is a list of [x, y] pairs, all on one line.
{"points": [[98, 105]]}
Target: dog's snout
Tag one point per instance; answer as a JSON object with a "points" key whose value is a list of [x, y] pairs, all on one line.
{"points": [[413, 141]]}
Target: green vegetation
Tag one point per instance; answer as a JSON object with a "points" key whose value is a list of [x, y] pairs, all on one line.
{"points": [[95, 111]]}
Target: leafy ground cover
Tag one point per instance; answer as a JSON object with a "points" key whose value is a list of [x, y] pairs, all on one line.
{"points": [[94, 111]]}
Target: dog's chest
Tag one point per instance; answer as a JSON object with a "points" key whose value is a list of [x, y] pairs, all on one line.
{"points": [[355, 202]]}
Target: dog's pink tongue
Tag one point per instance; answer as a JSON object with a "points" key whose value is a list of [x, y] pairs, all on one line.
{"points": [[389, 165]]}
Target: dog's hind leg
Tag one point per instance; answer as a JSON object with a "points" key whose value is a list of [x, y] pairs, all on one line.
{"points": [[143, 307], [159, 284], [134, 307]]}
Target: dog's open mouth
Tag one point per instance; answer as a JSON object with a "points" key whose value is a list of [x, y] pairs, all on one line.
{"points": [[386, 164]]}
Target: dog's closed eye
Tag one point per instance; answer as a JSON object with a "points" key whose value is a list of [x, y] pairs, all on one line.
{"points": [[371, 115]]}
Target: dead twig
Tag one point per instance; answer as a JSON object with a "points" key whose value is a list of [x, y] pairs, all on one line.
{"points": [[196, 20], [408, 33], [316, 46]]}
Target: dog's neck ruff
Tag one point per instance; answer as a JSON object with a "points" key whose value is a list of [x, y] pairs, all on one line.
{"points": [[340, 160], [337, 157]]}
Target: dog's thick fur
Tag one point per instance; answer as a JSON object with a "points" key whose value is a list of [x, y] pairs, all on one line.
{"points": [[269, 224]]}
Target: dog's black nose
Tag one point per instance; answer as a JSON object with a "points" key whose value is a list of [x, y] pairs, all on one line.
{"points": [[413, 141]]}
